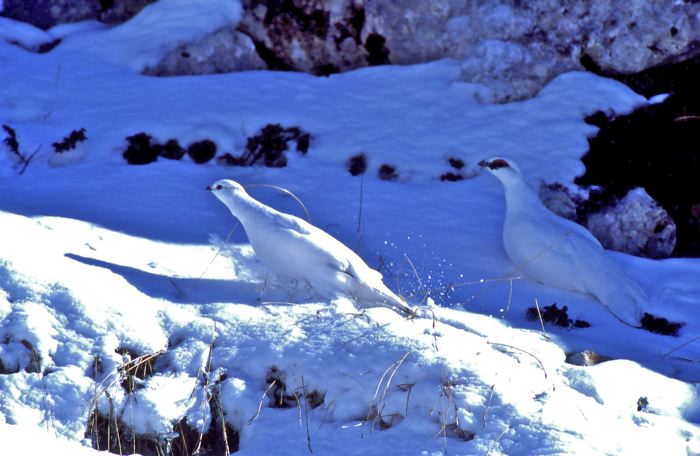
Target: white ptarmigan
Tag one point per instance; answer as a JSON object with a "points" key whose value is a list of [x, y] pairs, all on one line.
{"points": [[292, 247], [558, 252]]}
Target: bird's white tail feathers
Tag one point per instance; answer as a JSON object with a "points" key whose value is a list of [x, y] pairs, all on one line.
{"points": [[384, 297], [625, 299]]}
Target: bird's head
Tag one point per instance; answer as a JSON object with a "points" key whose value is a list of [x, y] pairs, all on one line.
{"points": [[504, 169], [226, 189]]}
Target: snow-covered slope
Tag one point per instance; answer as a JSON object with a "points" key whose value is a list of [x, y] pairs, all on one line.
{"points": [[99, 258]]}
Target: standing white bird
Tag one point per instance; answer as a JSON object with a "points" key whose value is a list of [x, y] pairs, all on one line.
{"points": [[292, 247], [558, 252]]}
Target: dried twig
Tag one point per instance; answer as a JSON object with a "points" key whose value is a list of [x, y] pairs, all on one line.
{"points": [[413, 268], [500, 436], [221, 247], [539, 315], [684, 118], [220, 408], [374, 408], [510, 298], [286, 192], [260, 404], [444, 425], [488, 406], [205, 388], [523, 351], [306, 415], [680, 346], [360, 218]]}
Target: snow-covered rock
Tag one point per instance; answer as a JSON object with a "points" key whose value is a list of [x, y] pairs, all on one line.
{"points": [[559, 199], [223, 51], [117, 11], [310, 35], [517, 47], [22, 34], [48, 13], [513, 47], [637, 225], [156, 32]]}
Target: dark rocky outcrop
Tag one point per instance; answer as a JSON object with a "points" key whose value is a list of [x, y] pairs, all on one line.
{"points": [[48, 13], [633, 223], [227, 50], [510, 46], [656, 147]]}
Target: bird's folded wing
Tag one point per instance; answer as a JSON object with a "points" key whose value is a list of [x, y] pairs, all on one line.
{"points": [[289, 222]]}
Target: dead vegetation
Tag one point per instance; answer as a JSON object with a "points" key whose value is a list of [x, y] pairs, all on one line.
{"points": [[70, 141], [108, 430], [21, 155], [268, 147], [556, 316]]}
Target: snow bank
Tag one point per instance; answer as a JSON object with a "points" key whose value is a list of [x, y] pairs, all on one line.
{"points": [[158, 28], [456, 382]]}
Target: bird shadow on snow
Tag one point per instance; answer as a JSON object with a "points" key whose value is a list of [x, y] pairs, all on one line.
{"points": [[178, 289]]}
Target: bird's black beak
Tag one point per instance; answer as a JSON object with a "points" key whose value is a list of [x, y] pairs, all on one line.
{"points": [[483, 163], [209, 188]]}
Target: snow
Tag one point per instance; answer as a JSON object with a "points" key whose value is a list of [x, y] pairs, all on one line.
{"points": [[160, 27], [19, 32], [99, 256]]}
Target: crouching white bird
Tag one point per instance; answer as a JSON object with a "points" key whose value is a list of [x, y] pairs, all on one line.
{"points": [[292, 247], [558, 252]]}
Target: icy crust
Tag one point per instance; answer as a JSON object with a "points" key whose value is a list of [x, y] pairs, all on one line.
{"points": [[456, 382]]}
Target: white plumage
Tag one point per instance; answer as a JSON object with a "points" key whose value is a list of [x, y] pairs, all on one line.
{"points": [[292, 247], [558, 252]]}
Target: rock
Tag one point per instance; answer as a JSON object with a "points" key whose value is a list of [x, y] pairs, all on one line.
{"points": [[48, 13], [315, 36], [641, 34], [636, 225], [514, 48], [654, 147], [224, 51], [586, 358], [560, 200], [118, 11]]}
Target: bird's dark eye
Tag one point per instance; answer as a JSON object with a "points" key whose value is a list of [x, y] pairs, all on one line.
{"points": [[218, 187]]}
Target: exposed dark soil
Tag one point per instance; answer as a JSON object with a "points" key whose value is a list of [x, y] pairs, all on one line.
{"points": [[656, 147], [556, 316], [660, 325]]}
